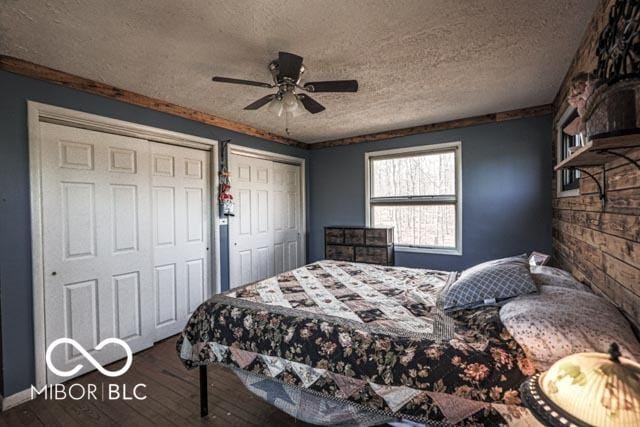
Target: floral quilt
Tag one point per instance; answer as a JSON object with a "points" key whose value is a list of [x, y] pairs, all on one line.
{"points": [[372, 336]]}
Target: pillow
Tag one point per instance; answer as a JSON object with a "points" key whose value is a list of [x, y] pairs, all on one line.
{"points": [[514, 260], [487, 284], [551, 276], [558, 322], [538, 258]]}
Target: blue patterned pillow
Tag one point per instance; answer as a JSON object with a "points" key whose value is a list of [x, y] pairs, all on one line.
{"points": [[487, 285], [518, 259]]}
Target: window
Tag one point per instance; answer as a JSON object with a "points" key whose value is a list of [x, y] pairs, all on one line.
{"points": [[417, 192], [568, 179]]}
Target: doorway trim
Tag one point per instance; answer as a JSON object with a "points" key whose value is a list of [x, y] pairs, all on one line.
{"points": [[38, 113], [283, 158]]}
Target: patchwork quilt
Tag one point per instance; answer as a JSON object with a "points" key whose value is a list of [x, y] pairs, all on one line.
{"points": [[372, 337]]}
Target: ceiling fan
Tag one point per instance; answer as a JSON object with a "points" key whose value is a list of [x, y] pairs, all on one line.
{"points": [[286, 72]]}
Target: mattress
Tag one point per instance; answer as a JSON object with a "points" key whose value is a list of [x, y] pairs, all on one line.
{"points": [[370, 337]]}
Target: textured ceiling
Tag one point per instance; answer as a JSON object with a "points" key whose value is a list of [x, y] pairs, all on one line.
{"points": [[417, 62]]}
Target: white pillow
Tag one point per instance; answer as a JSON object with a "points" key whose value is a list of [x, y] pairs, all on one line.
{"points": [[551, 276], [558, 322]]}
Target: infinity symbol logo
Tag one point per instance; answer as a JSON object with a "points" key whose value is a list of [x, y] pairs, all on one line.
{"points": [[90, 358]]}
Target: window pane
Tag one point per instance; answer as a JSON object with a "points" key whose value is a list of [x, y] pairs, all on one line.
{"points": [[570, 177], [423, 175], [418, 225]]}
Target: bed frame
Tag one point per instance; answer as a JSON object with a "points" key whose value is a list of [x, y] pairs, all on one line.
{"points": [[204, 392]]}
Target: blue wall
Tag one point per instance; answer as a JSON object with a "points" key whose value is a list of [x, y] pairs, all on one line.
{"points": [[16, 306], [506, 182]]}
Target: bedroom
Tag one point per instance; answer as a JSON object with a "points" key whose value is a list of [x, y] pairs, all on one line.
{"points": [[323, 212]]}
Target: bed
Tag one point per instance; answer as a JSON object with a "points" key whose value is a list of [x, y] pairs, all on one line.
{"points": [[347, 343]]}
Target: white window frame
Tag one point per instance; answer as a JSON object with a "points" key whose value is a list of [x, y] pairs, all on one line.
{"points": [[559, 191], [417, 150]]}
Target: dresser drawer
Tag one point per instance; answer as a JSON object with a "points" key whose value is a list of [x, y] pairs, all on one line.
{"points": [[378, 237], [354, 236], [373, 255], [333, 236], [339, 252]]}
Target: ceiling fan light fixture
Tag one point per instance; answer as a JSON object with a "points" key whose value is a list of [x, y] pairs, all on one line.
{"points": [[276, 106], [299, 110], [286, 104], [290, 102], [286, 71]]}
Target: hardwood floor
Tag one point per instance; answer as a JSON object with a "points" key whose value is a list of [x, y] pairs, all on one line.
{"points": [[172, 399]]}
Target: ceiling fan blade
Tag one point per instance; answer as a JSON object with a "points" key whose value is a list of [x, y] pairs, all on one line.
{"points": [[241, 82], [260, 102], [289, 65], [311, 104], [332, 86]]}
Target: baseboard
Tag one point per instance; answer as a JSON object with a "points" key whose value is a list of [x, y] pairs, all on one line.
{"points": [[16, 399]]}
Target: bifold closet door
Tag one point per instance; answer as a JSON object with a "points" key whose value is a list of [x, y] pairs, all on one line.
{"points": [[180, 196], [287, 217], [251, 235], [265, 233], [97, 243], [125, 239]]}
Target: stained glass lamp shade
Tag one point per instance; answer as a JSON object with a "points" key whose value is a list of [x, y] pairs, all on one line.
{"points": [[586, 389]]}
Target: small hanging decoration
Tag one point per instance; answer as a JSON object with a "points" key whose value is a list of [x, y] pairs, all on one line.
{"points": [[224, 197]]}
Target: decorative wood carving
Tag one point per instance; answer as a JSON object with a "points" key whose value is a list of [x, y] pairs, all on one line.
{"points": [[619, 44]]}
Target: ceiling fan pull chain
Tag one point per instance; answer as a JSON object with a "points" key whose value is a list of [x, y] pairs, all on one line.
{"points": [[286, 123]]}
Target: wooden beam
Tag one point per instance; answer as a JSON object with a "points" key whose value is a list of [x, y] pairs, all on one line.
{"points": [[521, 113], [29, 69]]}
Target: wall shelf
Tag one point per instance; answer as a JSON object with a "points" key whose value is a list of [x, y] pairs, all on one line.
{"points": [[599, 151]]}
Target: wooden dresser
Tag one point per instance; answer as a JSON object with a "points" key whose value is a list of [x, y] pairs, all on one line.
{"points": [[359, 244]]}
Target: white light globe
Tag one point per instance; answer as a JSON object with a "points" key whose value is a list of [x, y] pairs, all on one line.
{"points": [[290, 102], [276, 107]]}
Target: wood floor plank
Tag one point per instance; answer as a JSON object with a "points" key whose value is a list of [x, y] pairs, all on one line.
{"points": [[172, 398], [185, 395], [52, 415], [224, 386]]}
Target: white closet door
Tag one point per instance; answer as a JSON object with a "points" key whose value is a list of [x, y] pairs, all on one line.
{"points": [[265, 233], [287, 217], [180, 197], [251, 234], [97, 243]]}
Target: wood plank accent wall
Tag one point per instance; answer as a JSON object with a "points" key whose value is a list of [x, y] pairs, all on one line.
{"points": [[29, 69], [600, 246]]}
